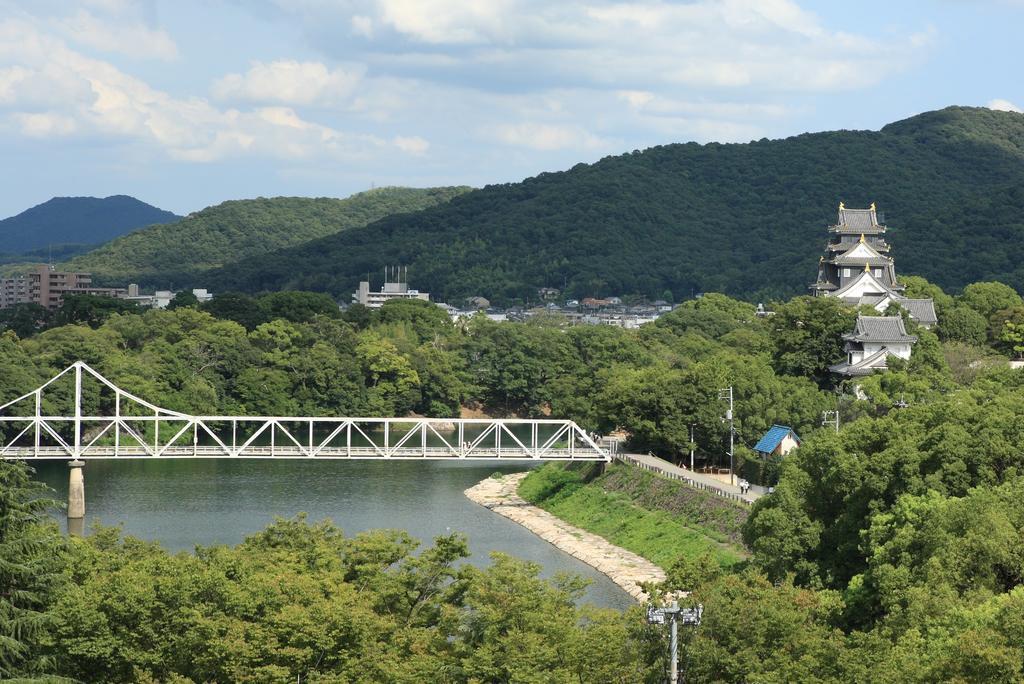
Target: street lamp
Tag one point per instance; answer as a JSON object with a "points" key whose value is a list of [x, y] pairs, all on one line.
{"points": [[726, 395], [672, 613]]}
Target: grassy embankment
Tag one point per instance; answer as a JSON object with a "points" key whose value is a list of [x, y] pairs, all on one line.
{"points": [[659, 519]]}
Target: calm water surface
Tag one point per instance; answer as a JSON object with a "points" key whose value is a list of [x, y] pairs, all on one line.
{"points": [[184, 503]]}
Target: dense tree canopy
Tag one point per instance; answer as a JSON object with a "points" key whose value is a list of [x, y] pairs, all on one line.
{"points": [[889, 551], [744, 219], [178, 255]]}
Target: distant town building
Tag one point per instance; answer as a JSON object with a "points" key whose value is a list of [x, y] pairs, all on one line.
{"points": [[857, 269], [661, 305], [873, 340], [47, 286], [780, 439], [478, 302], [160, 299], [548, 293], [394, 287]]}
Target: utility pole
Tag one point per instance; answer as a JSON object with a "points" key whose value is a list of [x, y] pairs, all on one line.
{"points": [[830, 418], [690, 617], [726, 395], [692, 445]]}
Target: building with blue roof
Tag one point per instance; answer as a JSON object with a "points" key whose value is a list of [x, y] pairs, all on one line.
{"points": [[780, 439]]}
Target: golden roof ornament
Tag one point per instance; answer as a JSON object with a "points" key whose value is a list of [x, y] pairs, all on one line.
{"points": [[862, 238], [841, 207], [872, 206], [867, 268]]}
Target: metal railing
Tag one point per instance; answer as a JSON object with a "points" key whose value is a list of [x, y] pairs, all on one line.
{"points": [[696, 484]]}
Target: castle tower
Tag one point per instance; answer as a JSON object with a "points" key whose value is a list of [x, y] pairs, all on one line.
{"points": [[856, 247], [857, 268]]}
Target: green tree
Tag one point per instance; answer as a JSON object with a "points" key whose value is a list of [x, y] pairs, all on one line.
{"points": [[807, 336], [237, 307], [25, 320], [30, 566], [90, 310], [961, 323], [987, 298], [184, 299], [1013, 337], [298, 307]]}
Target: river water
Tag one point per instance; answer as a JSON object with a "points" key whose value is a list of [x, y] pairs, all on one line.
{"points": [[182, 503]]}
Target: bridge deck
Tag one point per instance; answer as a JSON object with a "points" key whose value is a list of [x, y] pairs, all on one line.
{"points": [[328, 453], [129, 427]]}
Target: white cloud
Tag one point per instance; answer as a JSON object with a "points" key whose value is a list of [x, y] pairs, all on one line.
{"points": [[52, 90], [10, 79], [767, 45], [997, 104], [546, 137], [289, 82], [652, 104], [411, 144], [131, 38], [45, 125], [362, 26], [446, 21]]}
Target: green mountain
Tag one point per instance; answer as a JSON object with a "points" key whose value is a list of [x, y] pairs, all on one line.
{"points": [[745, 219], [179, 254], [65, 221]]}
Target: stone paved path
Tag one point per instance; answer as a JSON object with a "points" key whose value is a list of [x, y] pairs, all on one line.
{"points": [[623, 567]]}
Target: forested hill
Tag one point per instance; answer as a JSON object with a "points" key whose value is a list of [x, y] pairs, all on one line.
{"points": [[746, 219], [77, 221], [179, 254]]}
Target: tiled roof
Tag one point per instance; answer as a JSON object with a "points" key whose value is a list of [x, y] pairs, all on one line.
{"points": [[866, 366], [843, 260], [857, 218], [841, 292], [772, 438], [877, 245], [921, 310], [880, 329]]}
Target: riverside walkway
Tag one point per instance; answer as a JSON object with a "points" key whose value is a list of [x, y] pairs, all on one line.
{"points": [[697, 480]]}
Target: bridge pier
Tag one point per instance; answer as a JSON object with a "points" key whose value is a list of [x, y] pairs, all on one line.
{"points": [[76, 496]]}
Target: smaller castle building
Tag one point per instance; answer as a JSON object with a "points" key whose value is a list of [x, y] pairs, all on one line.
{"points": [[874, 339]]}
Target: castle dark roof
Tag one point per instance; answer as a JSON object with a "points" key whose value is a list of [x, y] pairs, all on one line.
{"points": [[866, 366], [879, 329], [857, 221], [921, 310]]}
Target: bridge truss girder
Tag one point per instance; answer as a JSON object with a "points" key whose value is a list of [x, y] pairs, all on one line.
{"points": [[140, 429]]}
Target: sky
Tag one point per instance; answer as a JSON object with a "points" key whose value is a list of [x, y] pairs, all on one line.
{"points": [[188, 103]]}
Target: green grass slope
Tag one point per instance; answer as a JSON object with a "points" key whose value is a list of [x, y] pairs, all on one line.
{"points": [[744, 219], [658, 519], [180, 253]]}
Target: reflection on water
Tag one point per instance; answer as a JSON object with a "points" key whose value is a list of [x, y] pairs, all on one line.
{"points": [[184, 503]]}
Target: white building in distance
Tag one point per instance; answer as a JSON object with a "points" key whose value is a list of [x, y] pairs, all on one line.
{"points": [[395, 288]]}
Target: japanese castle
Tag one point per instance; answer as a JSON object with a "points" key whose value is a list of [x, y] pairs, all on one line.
{"points": [[857, 269]]}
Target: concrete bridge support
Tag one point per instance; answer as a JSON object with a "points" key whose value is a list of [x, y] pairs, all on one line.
{"points": [[76, 495]]}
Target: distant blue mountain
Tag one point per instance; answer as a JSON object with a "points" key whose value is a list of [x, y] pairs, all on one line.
{"points": [[77, 221]]}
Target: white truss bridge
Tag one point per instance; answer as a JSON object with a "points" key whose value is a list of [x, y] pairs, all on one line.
{"points": [[79, 414]]}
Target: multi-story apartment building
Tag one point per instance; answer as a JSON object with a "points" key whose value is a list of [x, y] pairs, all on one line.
{"points": [[47, 287]]}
